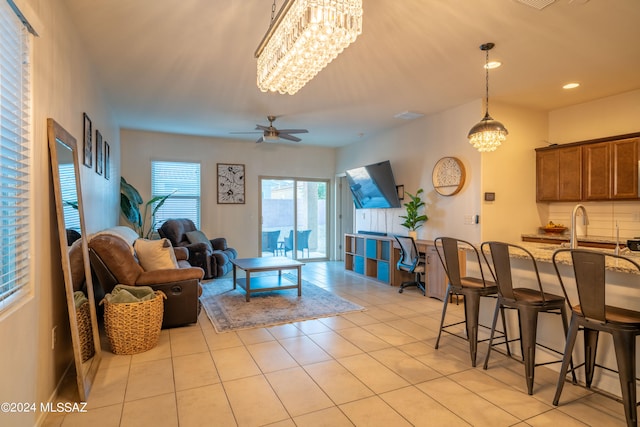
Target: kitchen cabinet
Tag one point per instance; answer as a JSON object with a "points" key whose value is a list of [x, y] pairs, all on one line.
{"points": [[601, 169], [559, 174], [624, 173], [597, 176]]}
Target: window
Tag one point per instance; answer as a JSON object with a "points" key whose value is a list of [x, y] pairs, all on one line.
{"points": [[15, 105], [183, 180]]}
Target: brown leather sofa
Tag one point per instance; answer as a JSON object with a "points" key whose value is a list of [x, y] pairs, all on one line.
{"points": [[212, 255], [113, 262]]}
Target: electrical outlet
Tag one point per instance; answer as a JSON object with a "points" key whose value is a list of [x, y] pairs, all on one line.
{"points": [[54, 337], [469, 219]]}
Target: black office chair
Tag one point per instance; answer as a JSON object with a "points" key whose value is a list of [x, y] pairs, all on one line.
{"points": [[528, 302], [471, 288], [591, 314], [411, 261]]}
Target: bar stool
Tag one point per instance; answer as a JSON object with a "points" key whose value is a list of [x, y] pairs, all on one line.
{"points": [[528, 302], [591, 314], [471, 288]]}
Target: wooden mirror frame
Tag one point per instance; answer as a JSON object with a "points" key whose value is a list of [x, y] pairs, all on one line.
{"points": [[86, 371]]}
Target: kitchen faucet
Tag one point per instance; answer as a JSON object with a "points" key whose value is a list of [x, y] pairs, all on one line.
{"points": [[573, 243]]}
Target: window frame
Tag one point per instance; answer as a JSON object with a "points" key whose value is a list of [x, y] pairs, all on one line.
{"points": [[16, 28], [176, 196]]}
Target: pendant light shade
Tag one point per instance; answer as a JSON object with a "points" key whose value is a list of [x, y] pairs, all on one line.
{"points": [[488, 134]]}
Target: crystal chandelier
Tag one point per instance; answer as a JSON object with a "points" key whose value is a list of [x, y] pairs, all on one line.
{"points": [[488, 134], [304, 37]]}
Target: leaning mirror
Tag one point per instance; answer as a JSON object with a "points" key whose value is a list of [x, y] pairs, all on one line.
{"points": [[74, 255]]}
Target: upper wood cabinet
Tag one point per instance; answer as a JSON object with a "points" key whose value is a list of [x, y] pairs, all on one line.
{"points": [[559, 174], [597, 171], [602, 169], [624, 172]]}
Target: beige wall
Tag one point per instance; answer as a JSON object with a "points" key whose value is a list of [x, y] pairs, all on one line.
{"points": [[413, 150], [238, 223], [614, 115], [63, 88]]}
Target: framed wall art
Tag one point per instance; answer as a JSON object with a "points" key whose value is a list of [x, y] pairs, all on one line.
{"points": [[107, 160], [88, 147], [99, 152], [230, 183]]}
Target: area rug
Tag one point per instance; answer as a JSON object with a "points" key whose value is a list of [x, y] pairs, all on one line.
{"points": [[229, 311]]}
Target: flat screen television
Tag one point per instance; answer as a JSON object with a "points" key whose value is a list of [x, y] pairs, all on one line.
{"points": [[373, 186]]}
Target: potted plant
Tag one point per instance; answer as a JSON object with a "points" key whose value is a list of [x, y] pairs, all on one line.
{"points": [[413, 219], [130, 201]]}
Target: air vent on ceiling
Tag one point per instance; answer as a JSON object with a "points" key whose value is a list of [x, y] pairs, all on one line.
{"points": [[408, 115], [538, 4]]}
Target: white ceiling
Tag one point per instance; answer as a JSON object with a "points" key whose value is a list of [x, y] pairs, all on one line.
{"points": [[187, 66]]}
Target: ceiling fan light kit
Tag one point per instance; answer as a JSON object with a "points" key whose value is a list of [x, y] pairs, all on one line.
{"points": [[302, 39], [271, 134], [488, 134]]}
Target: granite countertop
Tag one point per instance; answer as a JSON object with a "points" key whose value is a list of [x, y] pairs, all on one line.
{"points": [[564, 237], [543, 253]]}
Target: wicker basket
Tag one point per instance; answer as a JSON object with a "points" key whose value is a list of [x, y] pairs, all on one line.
{"points": [[83, 315], [134, 327]]}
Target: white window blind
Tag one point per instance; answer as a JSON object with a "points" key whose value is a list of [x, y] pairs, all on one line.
{"points": [[15, 106], [184, 179]]}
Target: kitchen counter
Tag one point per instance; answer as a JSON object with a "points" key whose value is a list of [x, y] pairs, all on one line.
{"points": [[588, 240], [544, 252], [624, 291]]}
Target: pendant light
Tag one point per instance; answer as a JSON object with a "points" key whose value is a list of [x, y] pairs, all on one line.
{"points": [[487, 134]]}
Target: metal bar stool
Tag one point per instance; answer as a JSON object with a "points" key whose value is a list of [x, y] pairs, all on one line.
{"points": [[528, 302], [591, 314], [471, 288]]}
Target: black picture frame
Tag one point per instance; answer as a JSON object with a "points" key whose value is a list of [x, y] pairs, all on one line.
{"points": [[99, 153], [107, 160], [231, 178], [88, 147]]}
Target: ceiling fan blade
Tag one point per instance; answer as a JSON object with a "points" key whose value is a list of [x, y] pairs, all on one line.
{"points": [[289, 137], [259, 140], [239, 133], [293, 131], [260, 127]]}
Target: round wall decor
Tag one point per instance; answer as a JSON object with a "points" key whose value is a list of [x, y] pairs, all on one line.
{"points": [[448, 176]]}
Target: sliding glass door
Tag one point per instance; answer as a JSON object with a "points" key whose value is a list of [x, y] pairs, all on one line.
{"points": [[294, 214]]}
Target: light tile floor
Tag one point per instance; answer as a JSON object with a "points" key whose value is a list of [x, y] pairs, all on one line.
{"points": [[372, 368]]}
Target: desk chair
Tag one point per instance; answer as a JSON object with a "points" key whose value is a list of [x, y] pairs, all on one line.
{"points": [[528, 302], [591, 314], [472, 288], [410, 261]]}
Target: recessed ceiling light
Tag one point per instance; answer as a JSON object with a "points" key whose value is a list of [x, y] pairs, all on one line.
{"points": [[571, 85], [493, 64]]}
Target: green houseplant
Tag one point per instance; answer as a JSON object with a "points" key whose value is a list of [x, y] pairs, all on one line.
{"points": [[130, 201], [413, 219]]}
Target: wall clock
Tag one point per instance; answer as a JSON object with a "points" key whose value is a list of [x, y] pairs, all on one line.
{"points": [[448, 176]]}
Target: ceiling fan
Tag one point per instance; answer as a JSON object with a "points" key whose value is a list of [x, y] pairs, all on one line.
{"points": [[271, 134]]}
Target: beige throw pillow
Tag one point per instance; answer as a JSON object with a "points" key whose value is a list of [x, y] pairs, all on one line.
{"points": [[155, 254]]}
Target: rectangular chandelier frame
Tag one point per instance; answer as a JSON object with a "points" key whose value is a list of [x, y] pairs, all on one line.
{"points": [[302, 39]]}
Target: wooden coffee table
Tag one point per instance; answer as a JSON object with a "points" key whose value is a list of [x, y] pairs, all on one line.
{"points": [[266, 283]]}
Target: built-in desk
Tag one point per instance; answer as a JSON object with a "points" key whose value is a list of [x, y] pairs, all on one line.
{"points": [[376, 257]]}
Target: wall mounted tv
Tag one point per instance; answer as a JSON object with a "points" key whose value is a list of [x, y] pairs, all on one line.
{"points": [[373, 186]]}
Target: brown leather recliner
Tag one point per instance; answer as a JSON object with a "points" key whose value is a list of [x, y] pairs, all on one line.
{"points": [[113, 262], [212, 255]]}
